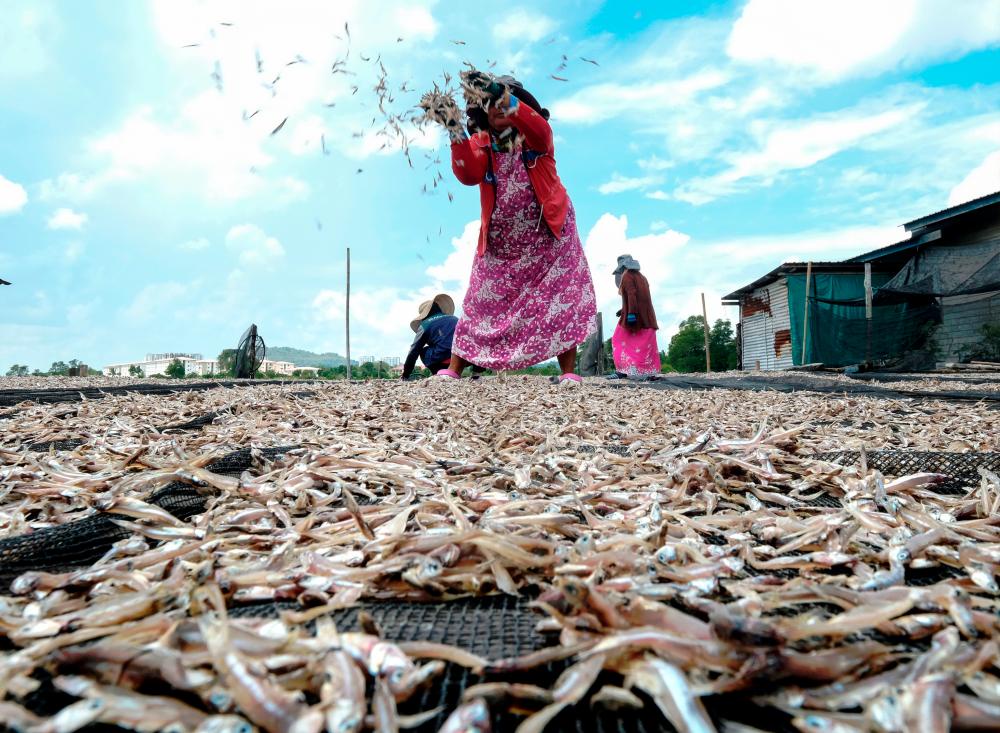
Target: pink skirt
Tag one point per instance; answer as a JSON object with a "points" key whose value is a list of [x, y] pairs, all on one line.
{"points": [[636, 352]]}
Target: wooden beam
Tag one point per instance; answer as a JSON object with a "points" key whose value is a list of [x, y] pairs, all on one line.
{"points": [[805, 318]]}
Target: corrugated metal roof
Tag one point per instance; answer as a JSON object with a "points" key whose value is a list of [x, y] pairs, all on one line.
{"points": [[793, 267], [938, 216]]}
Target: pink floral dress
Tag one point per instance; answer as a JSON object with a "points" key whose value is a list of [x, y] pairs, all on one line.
{"points": [[530, 296]]}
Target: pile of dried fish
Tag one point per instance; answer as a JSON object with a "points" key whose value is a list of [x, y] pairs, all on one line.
{"points": [[678, 546]]}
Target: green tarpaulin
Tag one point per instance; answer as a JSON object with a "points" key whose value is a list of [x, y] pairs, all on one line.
{"points": [[838, 333]]}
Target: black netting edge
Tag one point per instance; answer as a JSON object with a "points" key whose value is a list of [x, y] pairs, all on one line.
{"points": [[84, 541], [961, 468]]}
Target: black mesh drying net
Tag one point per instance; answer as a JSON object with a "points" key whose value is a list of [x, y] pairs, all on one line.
{"points": [[82, 542], [962, 469], [501, 626]]}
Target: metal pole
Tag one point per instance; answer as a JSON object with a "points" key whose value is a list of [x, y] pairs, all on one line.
{"points": [[347, 314], [868, 311], [704, 315], [805, 318]]}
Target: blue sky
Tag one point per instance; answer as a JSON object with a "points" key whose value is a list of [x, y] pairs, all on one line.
{"points": [[140, 212]]}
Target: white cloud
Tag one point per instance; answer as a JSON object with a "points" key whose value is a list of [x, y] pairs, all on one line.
{"points": [[658, 226], [28, 33], [385, 312], [454, 272], [253, 246], [620, 184], [838, 39], [73, 251], [520, 24], [13, 197], [195, 245], [67, 219], [659, 196], [793, 145], [655, 163], [982, 180], [656, 254], [600, 102]]}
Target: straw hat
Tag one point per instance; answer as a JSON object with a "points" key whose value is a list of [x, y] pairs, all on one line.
{"points": [[442, 300]]}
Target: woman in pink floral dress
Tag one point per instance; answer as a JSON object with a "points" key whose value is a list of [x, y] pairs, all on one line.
{"points": [[531, 296]]}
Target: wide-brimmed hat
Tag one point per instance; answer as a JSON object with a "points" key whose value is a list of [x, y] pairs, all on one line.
{"points": [[626, 262], [441, 300]]}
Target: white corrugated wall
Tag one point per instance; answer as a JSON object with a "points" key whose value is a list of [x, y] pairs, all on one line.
{"points": [[767, 328]]}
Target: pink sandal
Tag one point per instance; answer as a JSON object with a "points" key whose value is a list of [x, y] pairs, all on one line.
{"points": [[571, 378], [448, 374]]}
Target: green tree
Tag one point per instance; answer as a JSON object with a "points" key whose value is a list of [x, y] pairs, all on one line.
{"points": [[686, 352], [227, 362], [175, 369], [135, 371], [18, 370], [59, 368], [687, 347], [722, 346]]}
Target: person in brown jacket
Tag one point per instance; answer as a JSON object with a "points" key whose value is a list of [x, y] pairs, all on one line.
{"points": [[634, 341]]}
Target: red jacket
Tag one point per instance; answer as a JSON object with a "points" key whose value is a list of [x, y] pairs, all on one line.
{"points": [[473, 157]]}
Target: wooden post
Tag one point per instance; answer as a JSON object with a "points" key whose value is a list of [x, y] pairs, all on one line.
{"points": [[708, 355], [868, 312], [347, 314], [805, 318]]}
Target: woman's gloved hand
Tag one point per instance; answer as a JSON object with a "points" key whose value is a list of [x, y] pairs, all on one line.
{"points": [[631, 319], [442, 109], [482, 85]]}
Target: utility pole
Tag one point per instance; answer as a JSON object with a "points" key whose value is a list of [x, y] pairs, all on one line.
{"points": [[347, 314], [704, 315]]}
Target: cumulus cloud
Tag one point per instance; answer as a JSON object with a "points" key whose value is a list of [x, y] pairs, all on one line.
{"points": [[982, 180], [385, 312], [67, 219], [656, 253], [253, 246], [13, 197], [833, 40]]}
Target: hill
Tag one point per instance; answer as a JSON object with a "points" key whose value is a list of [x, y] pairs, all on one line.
{"points": [[301, 357]]}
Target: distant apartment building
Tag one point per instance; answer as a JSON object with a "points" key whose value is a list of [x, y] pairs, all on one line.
{"points": [[278, 367], [155, 364]]}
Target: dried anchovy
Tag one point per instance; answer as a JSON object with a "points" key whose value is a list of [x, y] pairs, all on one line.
{"points": [[687, 541]]}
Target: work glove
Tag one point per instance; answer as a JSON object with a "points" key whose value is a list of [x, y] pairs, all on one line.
{"points": [[481, 88]]}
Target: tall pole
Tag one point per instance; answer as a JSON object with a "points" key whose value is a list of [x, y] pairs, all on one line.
{"points": [[704, 315], [347, 314], [805, 318], [868, 311]]}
